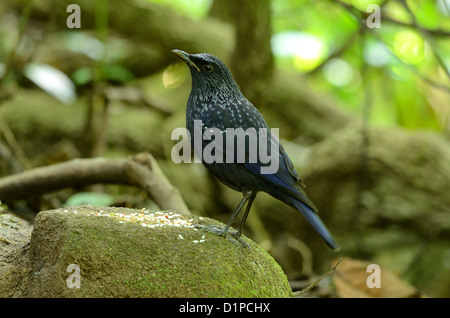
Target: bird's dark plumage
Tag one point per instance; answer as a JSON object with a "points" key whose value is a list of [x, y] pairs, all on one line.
{"points": [[217, 101]]}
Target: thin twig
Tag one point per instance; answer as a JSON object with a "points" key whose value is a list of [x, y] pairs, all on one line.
{"points": [[335, 54], [362, 178], [361, 16], [307, 289], [426, 34], [364, 15]]}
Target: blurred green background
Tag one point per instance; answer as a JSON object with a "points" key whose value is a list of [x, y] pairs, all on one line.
{"points": [[360, 91]]}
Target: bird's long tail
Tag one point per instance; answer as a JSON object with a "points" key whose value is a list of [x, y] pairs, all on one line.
{"points": [[316, 223]]}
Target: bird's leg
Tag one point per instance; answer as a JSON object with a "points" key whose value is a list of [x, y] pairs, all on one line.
{"points": [[252, 197], [246, 197], [224, 231]]}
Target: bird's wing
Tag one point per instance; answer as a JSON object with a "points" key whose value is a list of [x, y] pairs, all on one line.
{"points": [[288, 162], [285, 178]]}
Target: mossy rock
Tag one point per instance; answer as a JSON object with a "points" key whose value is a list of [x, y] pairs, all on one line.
{"points": [[14, 236], [135, 253]]}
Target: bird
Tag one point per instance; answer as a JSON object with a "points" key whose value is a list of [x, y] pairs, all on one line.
{"points": [[216, 101]]}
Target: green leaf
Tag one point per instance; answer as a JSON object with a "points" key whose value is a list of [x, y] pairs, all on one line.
{"points": [[93, 198]]}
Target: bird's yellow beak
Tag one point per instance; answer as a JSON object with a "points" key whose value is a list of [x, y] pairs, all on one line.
{"points": [[185, 57]]}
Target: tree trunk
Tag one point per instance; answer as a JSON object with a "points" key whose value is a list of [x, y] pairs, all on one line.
{"points": [[286, 100], [252, 59]]}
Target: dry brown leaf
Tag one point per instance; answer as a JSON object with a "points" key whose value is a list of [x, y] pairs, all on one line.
{"points": [[352, 278]]}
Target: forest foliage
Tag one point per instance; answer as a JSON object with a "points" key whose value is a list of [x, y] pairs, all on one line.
{"points": [[360, 90]]}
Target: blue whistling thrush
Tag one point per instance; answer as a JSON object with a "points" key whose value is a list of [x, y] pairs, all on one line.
{"points": [[218, 103]]}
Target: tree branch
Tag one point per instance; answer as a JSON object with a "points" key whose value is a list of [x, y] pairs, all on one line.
{"points": [[141, 171]]}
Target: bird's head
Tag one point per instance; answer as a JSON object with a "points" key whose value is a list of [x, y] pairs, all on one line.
{"points": [[208, 71]]}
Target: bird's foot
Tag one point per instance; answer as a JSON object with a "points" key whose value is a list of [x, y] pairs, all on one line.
{"points": [[237, 236], [233, 236]]}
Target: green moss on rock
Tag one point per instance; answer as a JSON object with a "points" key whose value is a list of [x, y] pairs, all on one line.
{"points": [[121, 256]]}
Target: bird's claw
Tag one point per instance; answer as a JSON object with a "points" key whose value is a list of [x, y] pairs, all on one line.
{"points": [[233, 236], [237, 236]]}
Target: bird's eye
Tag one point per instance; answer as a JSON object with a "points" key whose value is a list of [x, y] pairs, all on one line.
{"points": [[208, 68]]}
